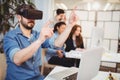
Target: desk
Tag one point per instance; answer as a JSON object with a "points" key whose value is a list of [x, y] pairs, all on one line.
{"points": [[111, 57], [107, 57], [101, 75]]}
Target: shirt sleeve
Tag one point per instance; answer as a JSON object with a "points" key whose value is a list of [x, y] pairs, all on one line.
{"points": [[46, 44], [52, 41], [12, 53], [10, 46], [51, 51]]}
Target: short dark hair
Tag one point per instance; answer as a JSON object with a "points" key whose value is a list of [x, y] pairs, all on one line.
{"points": [[60, 11], [58, 25]]}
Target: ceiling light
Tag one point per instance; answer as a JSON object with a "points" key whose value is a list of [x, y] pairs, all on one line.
{"points": [[106, 6], [63, 6], [89, 6], [58, 5], [96, 6]]}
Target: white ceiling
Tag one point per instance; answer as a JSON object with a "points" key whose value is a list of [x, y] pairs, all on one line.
{"points": [[83, 4]]}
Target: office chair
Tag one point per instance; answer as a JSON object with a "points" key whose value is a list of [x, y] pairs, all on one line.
{"points": [[3, 66]]}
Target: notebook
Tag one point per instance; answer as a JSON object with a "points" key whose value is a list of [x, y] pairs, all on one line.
{"points": [[88, 68], [73, 54]]}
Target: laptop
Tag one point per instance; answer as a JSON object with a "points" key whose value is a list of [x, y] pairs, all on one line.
{"points": [[88, 68], [90, 63]]}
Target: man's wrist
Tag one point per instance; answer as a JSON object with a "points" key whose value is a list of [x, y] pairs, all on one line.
{"points": [[38, 42]]}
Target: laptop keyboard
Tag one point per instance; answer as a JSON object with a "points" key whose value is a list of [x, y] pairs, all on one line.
{"points": [[67, 74], [71, 77]]}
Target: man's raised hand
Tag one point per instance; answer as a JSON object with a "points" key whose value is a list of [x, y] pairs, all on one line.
{"points": [[46, 32]]}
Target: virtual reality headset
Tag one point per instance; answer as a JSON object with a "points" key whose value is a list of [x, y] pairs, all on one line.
{"points": [[31, 13]]}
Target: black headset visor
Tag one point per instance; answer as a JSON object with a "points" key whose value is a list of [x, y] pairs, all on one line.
{"points": [[32, 14]]}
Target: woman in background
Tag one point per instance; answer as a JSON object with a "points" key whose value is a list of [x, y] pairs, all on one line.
{"points": [[57, 54], [75, 41]]}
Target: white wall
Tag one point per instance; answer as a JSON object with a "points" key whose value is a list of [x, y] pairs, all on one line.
{"points": [[47, 6]]}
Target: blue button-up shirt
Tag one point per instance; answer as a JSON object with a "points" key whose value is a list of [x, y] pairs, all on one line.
{"points": [[14, 41]]}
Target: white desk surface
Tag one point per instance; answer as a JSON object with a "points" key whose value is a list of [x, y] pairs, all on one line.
{"points": [[111, 57], [107, 57], [101, 75]]}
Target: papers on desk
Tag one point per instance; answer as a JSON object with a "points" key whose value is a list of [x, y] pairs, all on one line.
{"points": [[73, 54]]}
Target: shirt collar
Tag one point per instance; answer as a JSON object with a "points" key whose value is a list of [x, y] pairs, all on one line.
{"points": [[56, 33], [18, 31]]}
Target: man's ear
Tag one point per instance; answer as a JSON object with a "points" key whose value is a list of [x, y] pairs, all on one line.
{"points": [[19, 17]]}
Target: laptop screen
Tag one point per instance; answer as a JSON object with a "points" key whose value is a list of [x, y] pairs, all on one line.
{"points": [[90, 63]]}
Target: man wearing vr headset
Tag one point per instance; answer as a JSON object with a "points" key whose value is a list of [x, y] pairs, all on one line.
{"points": [[22, 45]]}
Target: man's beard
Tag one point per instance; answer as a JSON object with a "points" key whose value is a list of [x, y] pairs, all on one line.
{"points": [[28, 26]]}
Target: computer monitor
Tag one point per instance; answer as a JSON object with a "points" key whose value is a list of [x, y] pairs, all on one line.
{"points": [[97, 36]]}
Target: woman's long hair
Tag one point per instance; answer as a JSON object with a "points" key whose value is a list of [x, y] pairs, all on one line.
{"points": [[79, 39]]}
